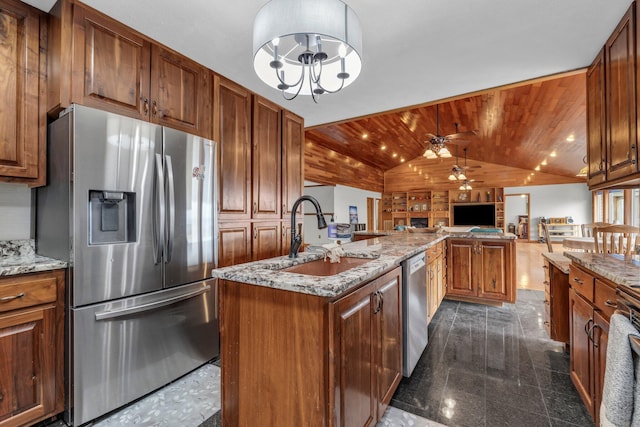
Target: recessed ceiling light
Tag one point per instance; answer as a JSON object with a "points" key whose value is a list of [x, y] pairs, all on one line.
{"points": [[532, 173], [544, 162], [365, 136], [394, 155], [384, 147], [553, 154], [537, 168], [571, 138], [401, 159]]}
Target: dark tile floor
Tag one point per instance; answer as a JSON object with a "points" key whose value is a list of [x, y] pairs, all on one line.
{"points": [[493, 366]]}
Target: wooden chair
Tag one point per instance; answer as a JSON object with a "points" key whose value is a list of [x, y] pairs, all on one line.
{"points": [[587, 229], [616, 239], [545, 235]]}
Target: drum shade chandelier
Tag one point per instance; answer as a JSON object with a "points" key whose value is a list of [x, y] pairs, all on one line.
{"points": [[305, 47]]}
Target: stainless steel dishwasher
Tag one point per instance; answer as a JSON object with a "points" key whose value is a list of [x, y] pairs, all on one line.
{"points": [[414, 311]]}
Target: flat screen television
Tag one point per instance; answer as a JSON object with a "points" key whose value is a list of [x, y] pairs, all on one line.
{"points": [[470, 214]]}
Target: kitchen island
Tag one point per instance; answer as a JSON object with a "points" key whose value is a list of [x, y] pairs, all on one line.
{"points": [[311, 349]]}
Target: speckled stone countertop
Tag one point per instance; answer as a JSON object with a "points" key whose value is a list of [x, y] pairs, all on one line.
{"points": [[19, 257], [385, 253], [558, 260], [620, 269]]}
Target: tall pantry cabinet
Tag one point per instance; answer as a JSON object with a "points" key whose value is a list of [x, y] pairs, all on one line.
{"points": [[260, 173]]}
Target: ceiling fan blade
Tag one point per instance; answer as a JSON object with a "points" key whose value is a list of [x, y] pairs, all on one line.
{"points": [[459, 143], [430, 136], [462, 134]]}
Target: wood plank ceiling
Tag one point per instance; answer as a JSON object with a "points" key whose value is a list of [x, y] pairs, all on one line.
{"points": [[532, 133]]}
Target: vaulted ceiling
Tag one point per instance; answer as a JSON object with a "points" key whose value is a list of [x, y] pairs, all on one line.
{"points": [[528, 133]]}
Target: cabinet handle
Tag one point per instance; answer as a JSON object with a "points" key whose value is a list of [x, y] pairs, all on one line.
{"points": [[578, 281], [284, 208], [586, 326], [610, 303], [255, 208], [12, 297], [593, 328], [146, 106], [255, 233], [545, 266], [546, 301], [493, 283], [546, 282], [154, 108]]}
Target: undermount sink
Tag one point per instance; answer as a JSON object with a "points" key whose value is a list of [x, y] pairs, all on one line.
{"points": [[321, 267]]}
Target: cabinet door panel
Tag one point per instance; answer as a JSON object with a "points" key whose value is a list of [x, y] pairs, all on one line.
{"points": [[234, 244], [266, 159], [233, 133], [292, 160], [460, 276], [355, 370], [111, 65], [601, 339], [388, 323], [596, 121], [181, 93], [620, 74], [19, 60], [581, 349], [266, 240], [492, 271], [26, 383]]}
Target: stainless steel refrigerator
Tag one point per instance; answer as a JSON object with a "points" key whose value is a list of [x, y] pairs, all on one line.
{"points": [[131, 206]]}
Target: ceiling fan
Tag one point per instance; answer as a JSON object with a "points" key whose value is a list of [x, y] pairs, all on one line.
{"points": [[457, 172], [437, 143]]}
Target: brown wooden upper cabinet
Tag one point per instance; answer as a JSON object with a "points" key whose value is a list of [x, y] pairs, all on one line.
{"points": [[23, 121], [596, 152], [292, 158], [267, 158], [612, 99], [232, 131], [99, 62]]}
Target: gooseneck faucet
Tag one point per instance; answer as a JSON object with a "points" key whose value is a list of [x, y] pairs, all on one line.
{"points": [[296, 238]]}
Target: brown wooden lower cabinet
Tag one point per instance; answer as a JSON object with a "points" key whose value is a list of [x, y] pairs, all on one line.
{"points": [[31, 345], [292, 359], [556, 302], [591, 304], [481, 270], [436, 277]]}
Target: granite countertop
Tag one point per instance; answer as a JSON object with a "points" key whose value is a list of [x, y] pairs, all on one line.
{"points": [[620, 269], [385, 253], [560, 261], [19, 257]]}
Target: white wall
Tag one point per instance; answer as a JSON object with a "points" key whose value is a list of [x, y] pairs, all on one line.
{"points": [[15, 211], [562, 200]]}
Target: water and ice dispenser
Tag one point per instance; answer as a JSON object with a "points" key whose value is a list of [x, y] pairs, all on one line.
{"points": [[111, 217]]}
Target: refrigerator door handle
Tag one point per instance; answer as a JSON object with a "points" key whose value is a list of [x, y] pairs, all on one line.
{"points": [[158, 214], [112, 314], [172, 209]]}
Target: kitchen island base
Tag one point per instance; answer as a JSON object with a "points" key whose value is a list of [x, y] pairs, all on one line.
{"points": [[294, 359]]}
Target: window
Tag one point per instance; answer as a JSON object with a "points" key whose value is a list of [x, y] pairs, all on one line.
{"points": [[616, 207], [598, 206], [635, 207]]}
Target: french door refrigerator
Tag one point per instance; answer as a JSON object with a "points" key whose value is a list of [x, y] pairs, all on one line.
{"points": [[131, 206]]}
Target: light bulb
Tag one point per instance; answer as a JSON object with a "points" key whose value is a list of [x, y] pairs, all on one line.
{"points": [[275, 41], [462, 176], [342, 50]]}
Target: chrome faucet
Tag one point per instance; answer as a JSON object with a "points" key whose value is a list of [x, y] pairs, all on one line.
{"points": [[296, 238]]}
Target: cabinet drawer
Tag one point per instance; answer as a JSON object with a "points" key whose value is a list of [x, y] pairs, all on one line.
{"points": [[605, 298], [26, 292], [432, 252], [582, 282]]}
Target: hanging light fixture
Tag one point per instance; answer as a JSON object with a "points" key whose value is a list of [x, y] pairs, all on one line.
{"points": [[437, 143], [305, 47], [466, 185], [457, 173]]}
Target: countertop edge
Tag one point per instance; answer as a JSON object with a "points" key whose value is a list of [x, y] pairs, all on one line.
{"points": [[623, 272]]}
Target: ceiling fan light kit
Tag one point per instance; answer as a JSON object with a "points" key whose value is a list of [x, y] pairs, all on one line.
{"points": [[307, 48]]}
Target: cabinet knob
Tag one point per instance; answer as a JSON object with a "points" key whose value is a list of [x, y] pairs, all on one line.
{"points": [[610, 303], [578, 281]]}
